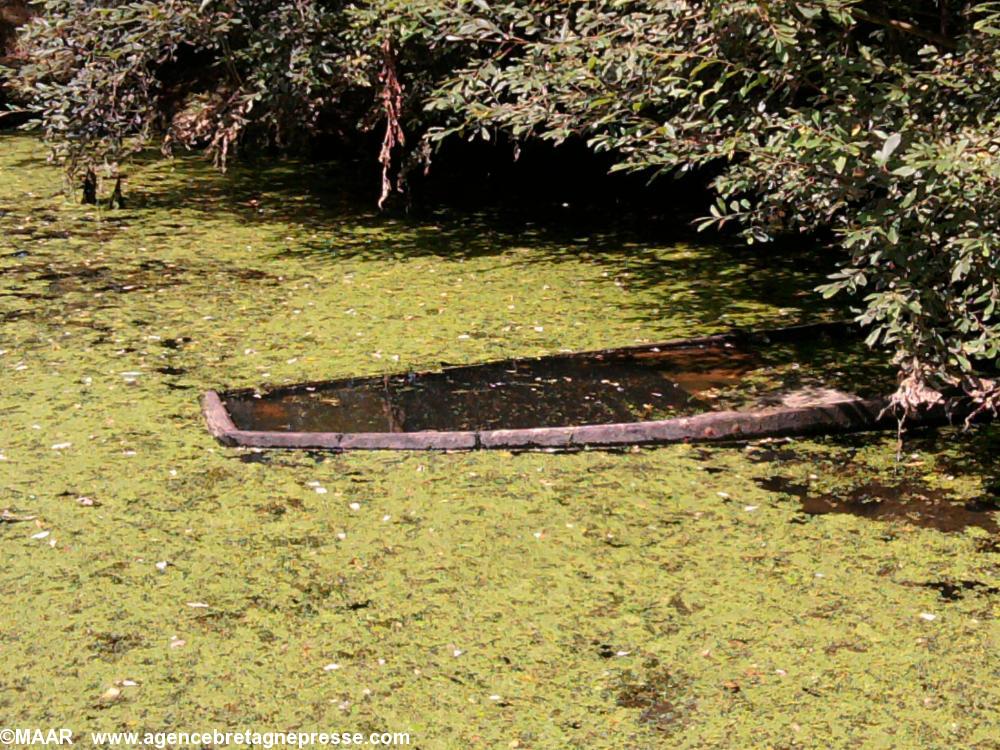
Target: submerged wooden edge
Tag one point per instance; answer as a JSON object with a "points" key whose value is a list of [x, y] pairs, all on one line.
{"points": [[220, 424], [852, 415]]}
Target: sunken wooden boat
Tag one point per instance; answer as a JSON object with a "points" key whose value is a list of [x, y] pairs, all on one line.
{"points": [[670, 392]]}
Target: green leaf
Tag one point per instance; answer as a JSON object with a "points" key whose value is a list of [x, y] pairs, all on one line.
{"points": [[890, 145]]}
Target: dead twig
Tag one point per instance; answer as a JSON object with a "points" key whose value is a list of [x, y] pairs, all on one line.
{"points": [[392, 104], [7, 517]]}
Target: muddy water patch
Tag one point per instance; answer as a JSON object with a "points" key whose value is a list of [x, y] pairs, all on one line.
{"points": [[910, 501], [171, 370], [953, 591], [175, 343], [660, 697], [57, 279]]}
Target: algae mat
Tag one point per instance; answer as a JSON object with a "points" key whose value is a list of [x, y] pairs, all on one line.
{"points": [[679, 597]]}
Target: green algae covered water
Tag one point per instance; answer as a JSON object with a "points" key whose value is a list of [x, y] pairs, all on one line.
{"points": [[678, 597]]}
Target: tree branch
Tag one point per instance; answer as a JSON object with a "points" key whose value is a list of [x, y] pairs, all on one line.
{"points": [[905, 27]]}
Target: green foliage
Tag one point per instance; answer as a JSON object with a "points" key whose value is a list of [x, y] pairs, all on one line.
{"points": [[876, 122], [817, 115], [107, 76]]}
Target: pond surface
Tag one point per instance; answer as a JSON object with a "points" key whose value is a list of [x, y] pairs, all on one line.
{"points": [[684, 597]]}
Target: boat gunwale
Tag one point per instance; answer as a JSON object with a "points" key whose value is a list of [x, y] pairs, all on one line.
{"points": [[834, 416]]}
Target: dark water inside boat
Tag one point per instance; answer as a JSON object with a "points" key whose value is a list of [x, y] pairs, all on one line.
{"points": [[546, 392]]}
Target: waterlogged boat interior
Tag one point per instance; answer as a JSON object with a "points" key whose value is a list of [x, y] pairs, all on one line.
{"points": [[547, 392], [547, 400]]}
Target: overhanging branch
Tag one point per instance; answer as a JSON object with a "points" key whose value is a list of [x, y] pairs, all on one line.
{"points": [[905, 27]]}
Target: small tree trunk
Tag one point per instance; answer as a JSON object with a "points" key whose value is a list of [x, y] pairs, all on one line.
{"points": [[90, 188], [117, 199]]}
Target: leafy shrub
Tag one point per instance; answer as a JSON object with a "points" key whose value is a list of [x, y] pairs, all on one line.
{"points": [[878, 121]]}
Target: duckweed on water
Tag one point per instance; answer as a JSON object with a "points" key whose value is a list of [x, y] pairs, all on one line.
{"points": [[667, 597]]}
